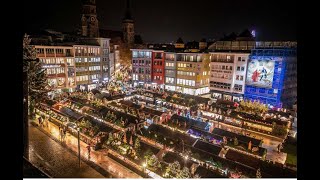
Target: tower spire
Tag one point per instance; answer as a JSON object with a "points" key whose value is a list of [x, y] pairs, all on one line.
{"points": [[127, 15], [128, 25]]}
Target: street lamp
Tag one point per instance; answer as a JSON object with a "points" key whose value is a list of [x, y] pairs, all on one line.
{"points": [[185, 159], [78, 129], [144, 167]]}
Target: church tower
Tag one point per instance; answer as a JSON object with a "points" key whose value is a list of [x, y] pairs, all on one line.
{"points": [[128, 25], [89, 21]]}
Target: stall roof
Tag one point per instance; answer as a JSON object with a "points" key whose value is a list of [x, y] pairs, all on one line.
{"points": [[245, 139], [243, 158], [206, 173], [190, 122], [71, 113], [214, 149], [95, 91]]}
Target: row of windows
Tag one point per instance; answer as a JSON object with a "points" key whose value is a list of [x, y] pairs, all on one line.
{"points": [[82, 78], [95, 76], [184, 73], [186, 65], [170, 57], [51, 51], [56, 82], [170, 80], [81, 69], [243, 59], [87, 51], [54, 60], [70, 62], [220, 85], [81, 60], [94, 68], [221, 76], [169, 64], [157, 70], [157, 63], [141, 54], [237, 87], [222, 58], [170, 72], [158, 55], [191, 58], [55, 71], [141, 62], [223, 67], [239, 77], [186, 82], [157, 78], [141, 77], [240, 68]]}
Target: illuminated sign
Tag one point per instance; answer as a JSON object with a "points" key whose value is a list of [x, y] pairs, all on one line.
{"points": [[260, 73], [253, 33]]}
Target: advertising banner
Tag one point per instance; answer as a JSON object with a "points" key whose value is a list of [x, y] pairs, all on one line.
{"points": [[260, 73]]}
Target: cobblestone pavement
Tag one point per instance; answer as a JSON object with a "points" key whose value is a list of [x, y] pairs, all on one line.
{"points": [[98, 157], [54, 159]]}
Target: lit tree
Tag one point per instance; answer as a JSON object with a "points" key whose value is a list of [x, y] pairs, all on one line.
{"points": [[137, 144], [184, 173], [173, 168], [258, 174], [37, 81], [153, 162], [110, 138], [235, 141]]}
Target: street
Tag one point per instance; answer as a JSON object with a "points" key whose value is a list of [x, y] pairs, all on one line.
{"points": [[98, 157], [54, 159]]}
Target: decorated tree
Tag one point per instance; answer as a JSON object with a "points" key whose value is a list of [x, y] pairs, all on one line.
{"points": [[153, 162], [173, 169], [137, 144], [184, 173], [38, 87], [110, 138]]}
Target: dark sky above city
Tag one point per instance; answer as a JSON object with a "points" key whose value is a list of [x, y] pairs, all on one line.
{"points": [[166, 20]]}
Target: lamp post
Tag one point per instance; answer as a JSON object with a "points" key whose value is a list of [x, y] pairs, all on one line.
{"points": [[144, 167], [26, 109], [185, 160], [78, 129]]}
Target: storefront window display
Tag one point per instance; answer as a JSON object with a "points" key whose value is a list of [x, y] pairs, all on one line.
{"points": [[227, 97], [216, 95]]}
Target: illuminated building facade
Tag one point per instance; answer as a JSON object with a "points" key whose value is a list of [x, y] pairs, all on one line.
{"points": [[59, 64], [170, 71], [158, 70], [142, 67], [193, 73], [272, 74]]}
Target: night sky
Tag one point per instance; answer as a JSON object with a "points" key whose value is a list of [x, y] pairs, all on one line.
{"points": [[166, 20]]}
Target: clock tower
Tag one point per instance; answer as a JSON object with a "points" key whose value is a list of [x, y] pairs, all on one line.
{"points": [[89, 21]]}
